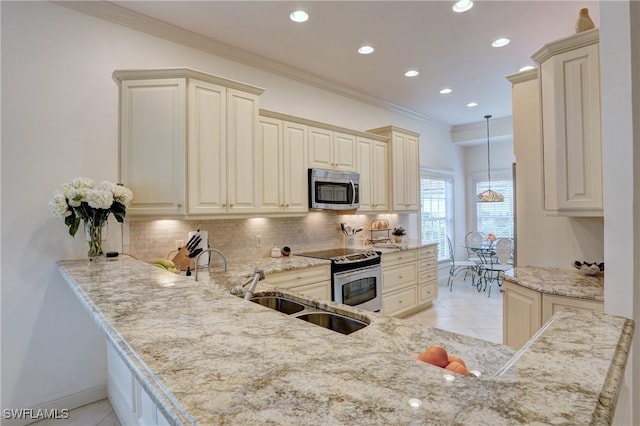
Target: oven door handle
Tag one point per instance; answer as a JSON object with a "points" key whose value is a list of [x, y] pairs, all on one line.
{"points": [[353, 192]]}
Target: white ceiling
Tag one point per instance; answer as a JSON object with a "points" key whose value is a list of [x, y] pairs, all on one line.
{"points": [[450, 49]]}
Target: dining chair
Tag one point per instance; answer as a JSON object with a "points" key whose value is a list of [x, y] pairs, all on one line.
{"points": [[457, 266], [474, 239], [499, 263]]}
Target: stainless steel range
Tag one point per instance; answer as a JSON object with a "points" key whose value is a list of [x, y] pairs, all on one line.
{"points": [[356, 277]]}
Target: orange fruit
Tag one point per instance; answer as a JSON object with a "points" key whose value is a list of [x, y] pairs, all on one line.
{"points": [[456, 367], [457, 359], [435, 355]]}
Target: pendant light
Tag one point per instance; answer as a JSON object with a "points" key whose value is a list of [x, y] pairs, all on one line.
{"points": [[489, 196]]}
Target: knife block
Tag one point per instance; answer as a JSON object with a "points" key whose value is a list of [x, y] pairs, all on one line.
{"points": [[181, 259]]}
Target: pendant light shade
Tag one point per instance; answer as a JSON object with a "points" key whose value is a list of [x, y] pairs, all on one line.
{"points": [[489, 196]]}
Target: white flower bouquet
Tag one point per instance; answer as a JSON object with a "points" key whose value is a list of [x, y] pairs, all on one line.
{"points": [[84, 199]]}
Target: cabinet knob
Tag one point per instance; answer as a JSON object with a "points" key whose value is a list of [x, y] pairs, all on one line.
{"points": [[400, 276], [286, 205], [179, 204], [230, 205]]}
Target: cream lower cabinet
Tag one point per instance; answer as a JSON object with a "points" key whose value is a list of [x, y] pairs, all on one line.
{"points": [[187, 142], [404, 167], [525, 310], [331, 150], [131, 403], [521, 312], [282, 167], [427, 274], [313, 282], [409, 280], [372, 160], [399, 282]]}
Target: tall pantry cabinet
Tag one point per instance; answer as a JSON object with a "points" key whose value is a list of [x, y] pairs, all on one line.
{"points": [[187, 142]]}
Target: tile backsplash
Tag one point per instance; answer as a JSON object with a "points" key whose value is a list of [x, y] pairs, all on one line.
{"points": [[236, 238]]}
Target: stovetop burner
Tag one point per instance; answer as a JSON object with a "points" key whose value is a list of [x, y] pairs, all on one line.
{"points": [[343, 255]]}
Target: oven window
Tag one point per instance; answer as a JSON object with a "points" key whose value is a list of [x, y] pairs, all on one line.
{"points": [[359, 291]]}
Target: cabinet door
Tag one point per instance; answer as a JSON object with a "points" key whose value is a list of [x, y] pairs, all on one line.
{"points": [[344, 152], [320, 148], [242, 145], [269, 155], [296, 189], [521, 314], [570, 87], [207, 148], [152, 145], [364, 157], [380, 183], [412, 174]]}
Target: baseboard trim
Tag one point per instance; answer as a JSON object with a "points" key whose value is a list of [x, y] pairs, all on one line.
{"points": [[68, 402]]}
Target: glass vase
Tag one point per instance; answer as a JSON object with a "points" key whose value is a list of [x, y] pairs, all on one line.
{"points": [[96, 234]]}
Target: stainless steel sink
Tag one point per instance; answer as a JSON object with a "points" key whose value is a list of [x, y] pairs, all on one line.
{"points": [[332, 321], [279, 304]]}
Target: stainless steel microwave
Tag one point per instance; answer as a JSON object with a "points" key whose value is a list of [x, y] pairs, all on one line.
{"points": [[333, 190]]}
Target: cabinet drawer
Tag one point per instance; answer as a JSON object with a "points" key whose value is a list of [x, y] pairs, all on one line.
{"points": [[552, 303], [319, 290], [429, 251], [399, 301], [390, 259], [399, 276], [299, 277], [427, 293], [427, 264], [428, 277]]}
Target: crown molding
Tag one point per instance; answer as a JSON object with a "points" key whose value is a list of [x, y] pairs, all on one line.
{"points": [[139, 22], [566, 44], [521, 77]]}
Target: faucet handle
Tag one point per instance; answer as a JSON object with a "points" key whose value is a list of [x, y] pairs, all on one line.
{"points": [[260, 273]]}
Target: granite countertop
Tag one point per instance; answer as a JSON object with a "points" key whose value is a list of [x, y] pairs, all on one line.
{"points": [[207, 357], [558, 281]]}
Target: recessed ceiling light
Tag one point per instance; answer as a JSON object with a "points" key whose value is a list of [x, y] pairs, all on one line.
{"points": [[501, 42], [299, 16], [411, 73], [446, 91], [462, 6], [472, 104], [365, 50], [527, 68]]}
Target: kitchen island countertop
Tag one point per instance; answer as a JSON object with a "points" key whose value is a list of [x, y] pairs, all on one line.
{"points": [[206, 357], [558, 281]]}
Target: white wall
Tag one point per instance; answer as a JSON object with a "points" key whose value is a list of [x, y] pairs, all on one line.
{"points": [[620, 77], [60, 121]]}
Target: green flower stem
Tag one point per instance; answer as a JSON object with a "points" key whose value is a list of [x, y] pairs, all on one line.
{"points": [[94, 237]]}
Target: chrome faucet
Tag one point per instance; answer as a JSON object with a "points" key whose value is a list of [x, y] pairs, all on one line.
{"points": [[208, 251], [239, 290]]}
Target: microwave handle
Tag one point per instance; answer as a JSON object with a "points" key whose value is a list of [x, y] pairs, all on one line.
{"points": [[353, 192]]}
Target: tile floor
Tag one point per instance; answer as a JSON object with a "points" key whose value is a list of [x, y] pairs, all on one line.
{"points": [[463, 310], [99, 413]]}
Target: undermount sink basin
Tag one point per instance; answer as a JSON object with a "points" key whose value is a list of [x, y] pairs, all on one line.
{"points": [[330, 320], [279, 304], [335, 322]]}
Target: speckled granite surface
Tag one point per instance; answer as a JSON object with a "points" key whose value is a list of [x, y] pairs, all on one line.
{"points": [[558, 281], [206, 357]]}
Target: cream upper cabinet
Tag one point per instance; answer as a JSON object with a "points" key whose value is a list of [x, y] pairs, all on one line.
{"points": [[572, 145], [187, 139], [152, 145], [331, 150], [243, 181], [405, 168], [282, 166], [372, 157]]}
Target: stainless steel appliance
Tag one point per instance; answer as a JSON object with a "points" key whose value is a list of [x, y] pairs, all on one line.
{"points": [[356, 277], [333, 190]]}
